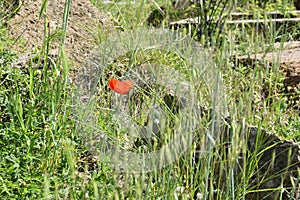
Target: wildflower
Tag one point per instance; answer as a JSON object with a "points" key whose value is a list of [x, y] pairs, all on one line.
{"points": [[121, 87]]}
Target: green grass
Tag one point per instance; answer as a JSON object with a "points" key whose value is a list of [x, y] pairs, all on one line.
{"points": [[43, 154]]}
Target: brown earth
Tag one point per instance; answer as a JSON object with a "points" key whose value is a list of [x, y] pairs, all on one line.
{"points": [[83, 25], [288, 58]]}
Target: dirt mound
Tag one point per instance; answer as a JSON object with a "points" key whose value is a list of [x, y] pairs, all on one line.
{"points": [[288, 59], [83, 25]]}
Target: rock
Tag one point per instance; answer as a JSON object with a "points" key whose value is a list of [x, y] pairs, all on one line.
{"points": [[277, 167]]}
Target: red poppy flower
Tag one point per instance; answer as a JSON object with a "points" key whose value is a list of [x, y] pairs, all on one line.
{"points": [[121, 87]]}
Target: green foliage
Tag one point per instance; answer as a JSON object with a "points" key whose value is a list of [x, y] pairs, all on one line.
{"points": [[281, 5], [5, 42], [8, 9], [212, 17], [266, 6], [43, 157]]}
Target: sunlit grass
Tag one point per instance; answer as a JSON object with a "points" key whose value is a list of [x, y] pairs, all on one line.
{"points": [[43, 154]]}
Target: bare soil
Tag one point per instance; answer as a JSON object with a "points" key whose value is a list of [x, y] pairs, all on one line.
{"points": [[288, 57], [83, 25]]}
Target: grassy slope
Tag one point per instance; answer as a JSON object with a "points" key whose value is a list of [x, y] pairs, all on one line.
{"points": [[43, 157]]}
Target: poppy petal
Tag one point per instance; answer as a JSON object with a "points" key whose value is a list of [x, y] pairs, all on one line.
{"points": [[112, 83], [121, 87]]}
